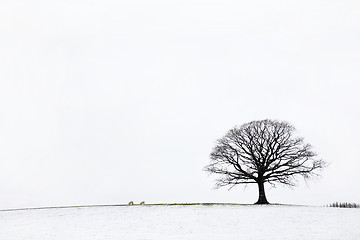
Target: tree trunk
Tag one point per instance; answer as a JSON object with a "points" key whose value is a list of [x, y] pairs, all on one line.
{"points": [[262, 197]]}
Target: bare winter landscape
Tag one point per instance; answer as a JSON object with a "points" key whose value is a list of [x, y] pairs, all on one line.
{"points": [[208, 222], [111, 101]]}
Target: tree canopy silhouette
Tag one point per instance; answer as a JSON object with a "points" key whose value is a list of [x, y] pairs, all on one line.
{"points": [[265, 151]]}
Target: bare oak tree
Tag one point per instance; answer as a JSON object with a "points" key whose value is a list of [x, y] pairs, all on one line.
{"points": [[260, 152]]}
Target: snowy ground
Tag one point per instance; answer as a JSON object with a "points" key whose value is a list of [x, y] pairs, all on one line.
{"points": [[218, 222]]}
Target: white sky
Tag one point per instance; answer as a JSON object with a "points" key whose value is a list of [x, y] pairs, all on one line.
{"points": [[103, 102]]}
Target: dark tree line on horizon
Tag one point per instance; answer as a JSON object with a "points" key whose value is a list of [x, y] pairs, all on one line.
{"points": [[344, 205]]}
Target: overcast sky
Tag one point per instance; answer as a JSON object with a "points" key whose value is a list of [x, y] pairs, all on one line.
{"points": [[103, 102]]}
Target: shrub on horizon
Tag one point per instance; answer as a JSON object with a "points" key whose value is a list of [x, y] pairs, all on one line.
{"points": [[344, 205]]}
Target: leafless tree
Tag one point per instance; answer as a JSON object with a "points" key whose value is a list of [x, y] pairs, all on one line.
{"points": [[262, 151]]}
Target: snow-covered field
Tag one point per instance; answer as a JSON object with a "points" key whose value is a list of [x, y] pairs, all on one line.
{"points": [[218, 222]]}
